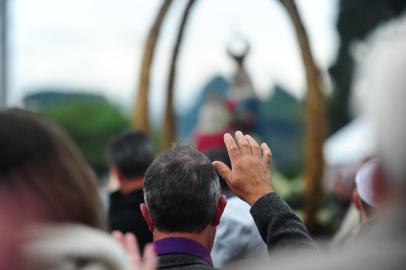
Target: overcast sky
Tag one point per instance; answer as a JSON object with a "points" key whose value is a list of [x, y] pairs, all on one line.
{"points": [[97, 45]]}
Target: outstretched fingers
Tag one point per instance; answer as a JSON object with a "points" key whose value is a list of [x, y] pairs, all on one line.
{"points": [[266, 154], [243, 143], [150, 258], [129, 242], [131, 246], [232, 147], [256, 150], [118, 236]]}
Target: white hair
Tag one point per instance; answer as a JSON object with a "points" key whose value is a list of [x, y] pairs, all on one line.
{"points": [[381, 78]]}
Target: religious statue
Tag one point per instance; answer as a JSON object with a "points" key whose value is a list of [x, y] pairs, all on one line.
{"points": [[237, 112]]}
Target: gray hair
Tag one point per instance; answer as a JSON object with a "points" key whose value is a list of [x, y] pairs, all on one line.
{"points": [[182, 190]]}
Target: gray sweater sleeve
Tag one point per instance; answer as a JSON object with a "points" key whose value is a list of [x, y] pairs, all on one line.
{"points": [[278, 225]]}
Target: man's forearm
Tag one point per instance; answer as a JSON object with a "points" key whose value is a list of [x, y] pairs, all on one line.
{"points": [[278, 225]]}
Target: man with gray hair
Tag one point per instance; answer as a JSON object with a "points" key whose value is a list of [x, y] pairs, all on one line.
{"points": [[183, 206]]}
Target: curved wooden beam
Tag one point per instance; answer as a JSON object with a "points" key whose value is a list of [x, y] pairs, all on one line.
{"points": [[169, 124], [315, 120], [140, 118]]}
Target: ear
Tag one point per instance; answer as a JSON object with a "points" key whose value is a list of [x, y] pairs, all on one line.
{"points": [[356, 199], [220, 209], [147, 217]]}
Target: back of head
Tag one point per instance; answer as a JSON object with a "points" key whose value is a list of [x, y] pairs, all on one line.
{"points": [[181, 190], [39, 167], [131, 153]]}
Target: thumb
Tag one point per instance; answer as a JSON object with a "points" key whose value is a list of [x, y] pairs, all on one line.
{"points": [[223, 170]]}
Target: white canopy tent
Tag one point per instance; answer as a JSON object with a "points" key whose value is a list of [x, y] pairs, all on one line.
{"points": [[351, 144], [345, 150]]}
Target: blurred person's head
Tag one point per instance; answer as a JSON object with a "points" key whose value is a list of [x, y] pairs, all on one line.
{"points": [[183, 196], [381, 79], [129, 155], [43, 173], [366, 192]]}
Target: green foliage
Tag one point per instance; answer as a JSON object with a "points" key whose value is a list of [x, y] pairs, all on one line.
{"points": [[291, 189], [90, 124], [329, 217]]}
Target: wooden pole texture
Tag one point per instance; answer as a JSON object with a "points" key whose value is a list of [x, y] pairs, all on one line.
{"points": [[315, 120], [169, 124], [140, 118]]}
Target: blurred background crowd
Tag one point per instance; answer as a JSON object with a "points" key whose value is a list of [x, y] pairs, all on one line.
{"points": [[189, 71]]}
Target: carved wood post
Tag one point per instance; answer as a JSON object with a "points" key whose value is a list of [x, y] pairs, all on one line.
{"points": [[315, 120], [169, 124], [141, 110]]}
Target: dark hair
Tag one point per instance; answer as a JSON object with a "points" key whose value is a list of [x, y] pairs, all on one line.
{"points": [[220, 154], [38, 163], [181, 190], [131, 153]]}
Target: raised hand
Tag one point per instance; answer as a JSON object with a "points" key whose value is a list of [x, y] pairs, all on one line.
{"points": [[249, 178], [130, 245]]}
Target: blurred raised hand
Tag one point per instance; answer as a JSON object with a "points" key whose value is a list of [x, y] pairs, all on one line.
{"points": [[250, 176], [129, 242]]}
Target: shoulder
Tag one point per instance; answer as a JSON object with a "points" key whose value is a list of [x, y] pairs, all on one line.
{"points": [[182, 261]]}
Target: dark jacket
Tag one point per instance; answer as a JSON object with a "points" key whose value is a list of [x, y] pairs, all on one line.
{"points": [[183, 261], [279, 226], [125, 215]]}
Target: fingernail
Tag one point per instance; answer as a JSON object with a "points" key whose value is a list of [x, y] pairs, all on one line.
{"points": [[117, 233], [129, 236]]}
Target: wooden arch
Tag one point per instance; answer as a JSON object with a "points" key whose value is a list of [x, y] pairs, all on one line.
{"points": [[315, 117]]}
